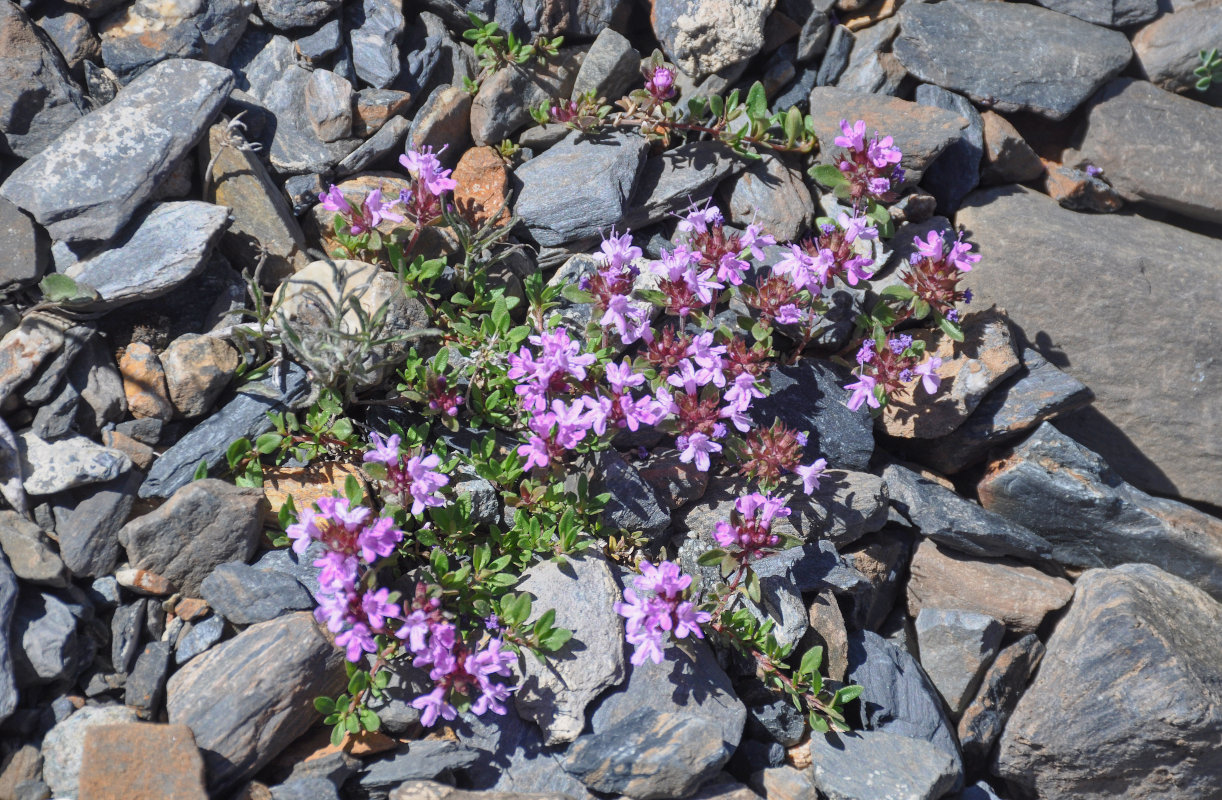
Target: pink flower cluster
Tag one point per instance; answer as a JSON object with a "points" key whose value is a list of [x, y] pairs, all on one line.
{"points": [[657, 607], [935, 269], [870, 165], [612, 285], [454, 667], [749, 530], [355, 540], [416, 478], [890, 368], [422, 203], [363, 218]]}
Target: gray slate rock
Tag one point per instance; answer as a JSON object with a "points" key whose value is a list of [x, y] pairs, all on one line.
{"points": [[289, 14], [126, 627], [64, 746], [38, 98], [809, 396], [502, 105], [1167, 49], [1126, 703], [89, 536], [956, 648], [634, 505], [243, 416], [51, 467], [882, 558], [281, 665], [26, 252], [610, 68], [145, 687], [203, 525], [29, 551], [512, 758], [322, 42], [871, 765], [1000, 689], [771, 194], [420, 760], [161, 250], [1065, 492], [578, 188], [46, 644], [703, 37], [671, 181], [898, 696], [1007, 156], [871, 66], [1063, 251], [836, 58], [445, 118], [300, 567], [245, 595], [555, 697], [1037, 392], [110, 162], [387, 140], [305, 789], [649, 754], [957, 171], [206, 30], [1053, 62], [1124, 117], [771, 717], [374, 29], [195, 641], [1111, 13], [949, 519], [329, 105], [8, 609]]}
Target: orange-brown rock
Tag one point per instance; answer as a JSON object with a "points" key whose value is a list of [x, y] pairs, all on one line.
{"points": [[140, 453], [144, 383], [306, 484], [483, 184], [141, 761]]}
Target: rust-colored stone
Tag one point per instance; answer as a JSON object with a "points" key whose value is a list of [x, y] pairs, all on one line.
{"points": [[143, 581], [144, 383], [140, 453], [141, 761], [483, 184], [190, 609], [306, 484]]}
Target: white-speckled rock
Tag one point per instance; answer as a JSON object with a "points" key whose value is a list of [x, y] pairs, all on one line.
{"points": [[51, 467]]}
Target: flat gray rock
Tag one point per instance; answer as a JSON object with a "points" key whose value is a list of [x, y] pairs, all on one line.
{"points": [[956, 647], [165, 247], [771, 194], [1150, 145], [1000, 689], [51, 467], [1052, 62], [1167, 49], [1111, 13], [281, 666], [289, 14], [579, 188], [188, 29], [99, 171], [872, 765], [1066, 493], [1036, 254], [611, 67], [30, 553], [245, 595], [64, 746], [707, 36], [8, 607], [375, 28], [633, 505], [671, 181], [47, 646], [38, 98], [1128, 700]]}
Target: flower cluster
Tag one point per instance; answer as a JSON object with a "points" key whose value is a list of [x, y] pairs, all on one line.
{"points": [[415, 479], [870, 166], [935, 269], [362, 218], [749, 531], [421, 204], [656, 607], [770, 452], [456, 668], [881, 370], [355, 540], [612, 286]]}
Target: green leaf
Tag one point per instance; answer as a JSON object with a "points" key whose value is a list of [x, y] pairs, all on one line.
{"points": [[828, 175], [439, 562], [324, 705], [818, 724], [201, 471], [369, 719], [358, 682], [920, 308], [847, 694], [757, 101], [268, 443], [717, 105], [544, 623], [753, 586], [950, 329], [811, 660], [353, 491], [59, 288], [898, 291], [711, 558], [337, 735], [557, 639], [792, 125], [236, 451], [576, 295]]}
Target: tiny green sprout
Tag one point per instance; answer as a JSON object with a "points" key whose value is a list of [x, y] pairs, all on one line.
{"points": [[1210, 68]]}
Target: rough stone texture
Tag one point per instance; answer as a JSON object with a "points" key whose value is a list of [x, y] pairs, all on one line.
{"points": [[879, 764], [772, 195], [610, 68], [329, 105], [1127, 701], [29, 552], [579, 187], [73, 36], [633, 505], [243, 416], [432, 790], [145, 687], [38, 97], [502, 105], [1000, 688], [26, 252], [1018, 595], [1037, 392], [51, 467], [1078, 190], [288, 14], [970, 369], [706, 36], [1154, 147], [1066, 493], [141, 761], [88, 185], [671, 181], [281, 665], [1007, 156], [956, 648], [88, 538], [24, 349], [427, 760], [64, 745], [206, 523], [898, 697], [387, 140], [882, 557], [197, 369], [555, 696], [920, 132], [650, 754], [1167, 49], [1052, 64], [810, 396], [245, 595], [871, 66], [1037, 255], [144, 383], [483, 184], [945, 517], [1112, 13], [200, 637], [146, 32], [374, 107], [8, 607], [375, 28], [445, 118], [957, 170]]}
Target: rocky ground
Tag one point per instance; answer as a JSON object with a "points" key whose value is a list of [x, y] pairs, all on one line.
{"points": [[1025, 575]]}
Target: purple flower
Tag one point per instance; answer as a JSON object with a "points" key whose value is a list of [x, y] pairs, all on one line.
{"points": [[425, 481], [661, 83], [647, 619], [810, 474], [377, 609], [414, 629], [731, 269], [742, 391], [698, 220], [376, 210], [855, 269], [434, 705], [961, 257], [688, 621], [333, 200], [754, 241], [379, 539], [900, 343], [932, 247], [788, 314], [865, 353], [625, 317], [356, 641], [854, 138], [856, 227], [930, 379], [883, 152], [1093, 171], [385, 451], [425, 167], [799, 266], [619, 250], [620, 377], [535, 452], [697, 447], [863, 392]]}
